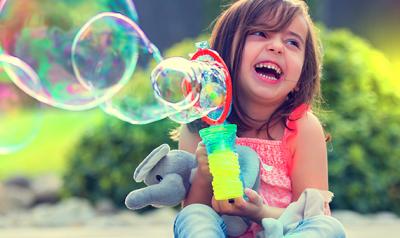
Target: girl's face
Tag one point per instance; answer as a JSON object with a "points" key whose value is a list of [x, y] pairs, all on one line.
{"points": [[272, 63]]}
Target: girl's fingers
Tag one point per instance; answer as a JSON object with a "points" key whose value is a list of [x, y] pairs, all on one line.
{"points": [[201, 150], [227, 207], [253, 196], [220, 205], [216, 205], [239, 203]]}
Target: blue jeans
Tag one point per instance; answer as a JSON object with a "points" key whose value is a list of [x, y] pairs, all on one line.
{"points": [[198, 220]]}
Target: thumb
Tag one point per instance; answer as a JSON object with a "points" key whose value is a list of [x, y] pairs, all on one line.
{"points": [[253, 196]]}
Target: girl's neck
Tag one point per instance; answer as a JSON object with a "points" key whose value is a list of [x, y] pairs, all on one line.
{"points": [[261, 113], [276, 132]]}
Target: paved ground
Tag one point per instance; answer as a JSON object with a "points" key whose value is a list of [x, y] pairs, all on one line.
{"points": [[371, 231], [357, 226], [383, 231]]}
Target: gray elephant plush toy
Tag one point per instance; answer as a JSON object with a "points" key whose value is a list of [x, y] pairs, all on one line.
{"points": [[167, 174]]}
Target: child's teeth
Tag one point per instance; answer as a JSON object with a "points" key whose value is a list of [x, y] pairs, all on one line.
{"points": [[269, 66], [268, 77]]}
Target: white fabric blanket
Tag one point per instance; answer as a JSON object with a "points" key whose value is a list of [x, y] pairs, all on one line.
{"points": [[312, 202]]}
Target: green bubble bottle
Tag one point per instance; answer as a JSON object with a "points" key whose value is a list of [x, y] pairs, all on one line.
{"points": [[223, 160]]}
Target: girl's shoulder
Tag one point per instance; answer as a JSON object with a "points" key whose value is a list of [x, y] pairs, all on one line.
{"points": [[305, 141], [308, 123], [302, 117], [303, 125]]}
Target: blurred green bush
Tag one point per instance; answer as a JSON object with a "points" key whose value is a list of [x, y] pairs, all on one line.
{"points": [[363, 118], [103, 162]]}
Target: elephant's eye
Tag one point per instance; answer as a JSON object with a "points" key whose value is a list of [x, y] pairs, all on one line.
{"points": [[159, 178]]}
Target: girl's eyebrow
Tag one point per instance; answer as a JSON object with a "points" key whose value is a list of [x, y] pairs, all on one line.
{"points": [[292, 33]]}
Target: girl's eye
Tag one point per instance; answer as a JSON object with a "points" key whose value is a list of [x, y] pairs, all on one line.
{"points": [[259, 33], [294, 43]]}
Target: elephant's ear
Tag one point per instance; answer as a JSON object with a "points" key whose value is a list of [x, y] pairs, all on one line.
{"points": [[149, 162]]}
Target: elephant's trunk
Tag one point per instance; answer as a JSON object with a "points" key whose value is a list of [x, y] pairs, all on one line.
{"points": [[169, 192]]}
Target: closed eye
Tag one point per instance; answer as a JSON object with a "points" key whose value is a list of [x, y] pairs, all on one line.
{"points": [[259, 33], [294, 43]]}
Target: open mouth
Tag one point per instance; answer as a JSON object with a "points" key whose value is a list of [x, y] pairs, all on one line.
{"points": [[269, 71]]}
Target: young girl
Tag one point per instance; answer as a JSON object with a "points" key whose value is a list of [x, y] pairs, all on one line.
{"points": [[273, 57]]}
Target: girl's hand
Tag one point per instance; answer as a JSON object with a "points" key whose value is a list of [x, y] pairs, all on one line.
{"points": [[202, 163], [252, 209]]}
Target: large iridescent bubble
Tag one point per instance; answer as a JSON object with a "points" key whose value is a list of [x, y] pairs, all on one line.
{"points": [[41, 33], [20, 114], [136, 102], [105, 52], [193, 88]]}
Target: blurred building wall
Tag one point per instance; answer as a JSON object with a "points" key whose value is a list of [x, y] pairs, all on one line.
{"points": [[376, 21], [166, 22]]}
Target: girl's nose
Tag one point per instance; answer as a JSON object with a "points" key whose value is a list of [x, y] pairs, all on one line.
{"points": [[275, 45]]}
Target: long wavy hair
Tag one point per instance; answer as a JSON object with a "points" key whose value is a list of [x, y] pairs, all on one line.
{"points": [[228, 39]]}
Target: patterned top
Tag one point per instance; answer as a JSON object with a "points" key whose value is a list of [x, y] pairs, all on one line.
{"points": [[276, 162]]}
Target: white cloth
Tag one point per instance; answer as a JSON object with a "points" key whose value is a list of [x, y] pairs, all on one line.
{"points": [[312, 202]]}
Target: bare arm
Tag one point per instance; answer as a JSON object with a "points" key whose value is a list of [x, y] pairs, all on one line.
{"points": [[310, 162], [310, 165], [200, 189]]}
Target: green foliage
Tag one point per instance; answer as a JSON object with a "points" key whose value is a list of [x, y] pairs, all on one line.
{"points": [[57, 132], [363, 119], [102, 164]]}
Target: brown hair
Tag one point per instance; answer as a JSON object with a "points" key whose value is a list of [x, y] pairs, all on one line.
{"points": [[228, 39]]}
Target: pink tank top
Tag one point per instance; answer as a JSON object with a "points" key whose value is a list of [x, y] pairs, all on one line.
{"points": [[276, 162]]}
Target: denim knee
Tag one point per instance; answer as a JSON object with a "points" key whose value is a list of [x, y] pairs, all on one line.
{"points": [[319, 226], [199, 220], [333, 225]]}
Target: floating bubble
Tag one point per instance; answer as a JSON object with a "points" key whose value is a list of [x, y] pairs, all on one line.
{"points": [[192, 88], [136, 102], [20, 115], [104, 52], [126, 8], [41, 34], [2, 2], [176, 83]]}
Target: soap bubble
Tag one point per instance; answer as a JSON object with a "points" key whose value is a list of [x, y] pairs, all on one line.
{"points": [[104, 52], [41, 33], [192, 88], [20, 114], [136, 102], [176, 83]]}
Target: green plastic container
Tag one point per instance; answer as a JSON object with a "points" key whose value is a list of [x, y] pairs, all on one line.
{"points": [[223, 160]]}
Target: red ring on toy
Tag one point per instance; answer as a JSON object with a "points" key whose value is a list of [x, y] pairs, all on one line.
{"points": [[228, 83]]}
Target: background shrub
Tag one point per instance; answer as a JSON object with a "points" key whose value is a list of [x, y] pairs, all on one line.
{"points": [[363, 118], [103, 162]]}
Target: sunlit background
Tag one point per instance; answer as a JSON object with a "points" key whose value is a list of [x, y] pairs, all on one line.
{"points": [[376, 21], [90, 154]]}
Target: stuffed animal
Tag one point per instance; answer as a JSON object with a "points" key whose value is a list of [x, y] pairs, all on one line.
{"points": [[167, 174]]}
